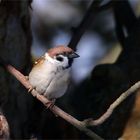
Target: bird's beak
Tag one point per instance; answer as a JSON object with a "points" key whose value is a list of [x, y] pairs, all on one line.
{"points": [[73, 55]]}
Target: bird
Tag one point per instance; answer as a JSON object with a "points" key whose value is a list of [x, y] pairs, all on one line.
{"points": [[50, 75]]}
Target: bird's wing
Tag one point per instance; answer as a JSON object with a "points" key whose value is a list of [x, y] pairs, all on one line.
{"points": [[39, 60]]}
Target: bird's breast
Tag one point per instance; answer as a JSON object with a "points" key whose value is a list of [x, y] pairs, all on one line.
{"points": [[58, 85], [50, 81]]}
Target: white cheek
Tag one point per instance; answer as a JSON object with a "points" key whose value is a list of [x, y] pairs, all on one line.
{"points": [[65, 62], [49, 58]]}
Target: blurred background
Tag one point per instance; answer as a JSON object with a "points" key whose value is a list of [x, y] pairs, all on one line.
{"points": [[52, 23]]}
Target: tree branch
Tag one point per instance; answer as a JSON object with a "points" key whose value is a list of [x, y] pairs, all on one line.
{"points": [[56, 110], [85, 24], [107, 114], [87, 21]]}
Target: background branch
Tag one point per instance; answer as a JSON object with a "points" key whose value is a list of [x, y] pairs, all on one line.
{"points": [[107, 114], [85, 24]]}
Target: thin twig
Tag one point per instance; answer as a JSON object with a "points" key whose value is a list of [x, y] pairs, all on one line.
{"points": [[56, 110], [107, 114]]}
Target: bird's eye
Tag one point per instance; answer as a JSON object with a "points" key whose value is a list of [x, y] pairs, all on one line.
{"points": [[59, 58]]}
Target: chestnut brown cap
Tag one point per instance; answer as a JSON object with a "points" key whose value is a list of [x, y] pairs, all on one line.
{"points": [[59, 50]]}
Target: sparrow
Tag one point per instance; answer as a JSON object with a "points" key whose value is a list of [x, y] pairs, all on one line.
{"points": [[50, 75]]}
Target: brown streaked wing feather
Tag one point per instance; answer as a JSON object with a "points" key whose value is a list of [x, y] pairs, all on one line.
{"points": [[39, 60]]}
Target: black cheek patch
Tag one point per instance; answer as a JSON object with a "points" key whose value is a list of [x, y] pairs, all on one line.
{"points": [[70, 62]]}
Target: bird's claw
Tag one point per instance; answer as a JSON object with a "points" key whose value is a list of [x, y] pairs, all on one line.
{"points": [[31, 89], [50, 104], [27, 77]]}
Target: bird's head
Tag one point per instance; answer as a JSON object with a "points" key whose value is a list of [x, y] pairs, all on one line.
{"points": [[61, 56]]}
